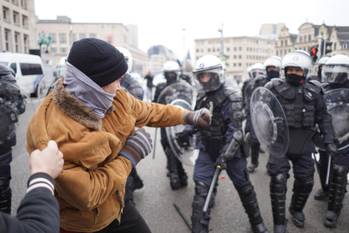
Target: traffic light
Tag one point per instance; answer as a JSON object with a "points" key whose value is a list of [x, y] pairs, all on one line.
{"points": [[313, 53], [328, 47]]}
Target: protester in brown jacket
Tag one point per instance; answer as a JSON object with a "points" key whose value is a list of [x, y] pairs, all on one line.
{"points": [[93, 122]]}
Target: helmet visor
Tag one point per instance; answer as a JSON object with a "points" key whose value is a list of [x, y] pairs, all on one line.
{"points": [[335, 73]]}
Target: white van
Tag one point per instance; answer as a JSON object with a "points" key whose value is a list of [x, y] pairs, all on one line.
{"points": [[28, 70]]}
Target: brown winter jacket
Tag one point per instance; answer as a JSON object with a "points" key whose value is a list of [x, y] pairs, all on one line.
{"points": [[91, 188]]}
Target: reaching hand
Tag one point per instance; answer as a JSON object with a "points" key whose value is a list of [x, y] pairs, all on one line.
{"points": [[200, 118], [49, 161]]}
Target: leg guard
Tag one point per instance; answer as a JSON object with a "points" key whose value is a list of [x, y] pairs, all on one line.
{"points": [[255, 153], [138, 183], [199, 219], [249, 201], [182, 174], [301, 190], [5, 195], [278, 190], [336, 195]]}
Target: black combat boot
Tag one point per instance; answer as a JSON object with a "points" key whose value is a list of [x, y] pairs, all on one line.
{"points": [[254, 157], [173, 173], [199, 219], [301, 190], [182, 174], [137, 181], [249, 201], [252, 168], [278, 190], [5, 195], [336, 195], [321, 195]]}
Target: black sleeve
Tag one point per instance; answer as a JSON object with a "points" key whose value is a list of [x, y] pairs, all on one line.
{"points": [[324, 120], [37, 213], [232, 114], [158, 91]]}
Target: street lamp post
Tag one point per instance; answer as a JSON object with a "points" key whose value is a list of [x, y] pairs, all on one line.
{"points": [[222, 43]]}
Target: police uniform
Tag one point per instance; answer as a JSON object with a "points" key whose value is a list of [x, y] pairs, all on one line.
{"points": [[340, 169], [176, 172], [11, 105], [226, 106], [304, 107], [133, 181]]}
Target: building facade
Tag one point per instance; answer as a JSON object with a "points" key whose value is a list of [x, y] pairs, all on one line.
{"points": [[62, 32], [239, 52], [310, 35], [17, 26]]}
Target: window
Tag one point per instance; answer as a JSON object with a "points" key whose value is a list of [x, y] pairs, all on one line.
{"points": [[63, 50], [209, 50], [30, 69], [16, 19], [240, 57], [93, 35], [309, 37], [17, 42], [7, 39], [24, 4], [82, 36], [25, 21], [15, 2], [228, 49], [26, 43], [75, 37], [62, 38], [13, 66], [240, 48], [53, 50], [6, 14], [53, 37]]}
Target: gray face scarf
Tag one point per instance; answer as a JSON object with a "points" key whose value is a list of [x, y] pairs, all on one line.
{"points": [[87, 91]]}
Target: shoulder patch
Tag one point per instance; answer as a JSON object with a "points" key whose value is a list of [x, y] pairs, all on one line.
{"points": [[313, 86]]}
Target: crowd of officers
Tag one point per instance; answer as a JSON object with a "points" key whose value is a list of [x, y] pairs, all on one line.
{"points": [[221, 145]]}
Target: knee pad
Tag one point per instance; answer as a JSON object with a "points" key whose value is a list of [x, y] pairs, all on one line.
{"points": [[303, 184], [279, 178], [340, 170]]}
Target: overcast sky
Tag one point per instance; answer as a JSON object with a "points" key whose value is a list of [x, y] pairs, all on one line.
{"points": [[163, 21]]}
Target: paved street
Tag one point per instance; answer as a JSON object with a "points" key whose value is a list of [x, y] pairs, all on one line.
{"points": [[155, 200]]}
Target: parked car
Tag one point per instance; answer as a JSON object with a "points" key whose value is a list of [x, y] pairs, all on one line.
{"points": [[28, 69]]}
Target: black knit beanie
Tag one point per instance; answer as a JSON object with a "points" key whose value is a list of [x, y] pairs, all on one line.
{"points": [[99, 60]]}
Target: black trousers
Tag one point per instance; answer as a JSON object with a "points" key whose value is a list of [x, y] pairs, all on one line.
{"points": [[131, 222]]}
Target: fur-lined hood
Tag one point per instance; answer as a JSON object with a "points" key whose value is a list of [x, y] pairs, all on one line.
{"points": [[74, 108]]}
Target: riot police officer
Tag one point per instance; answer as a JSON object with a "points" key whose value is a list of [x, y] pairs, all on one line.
{"points": [[226, 127], [322, 164], [335, 73], [11, 105], [131, 84], [176, 172], [253, 71], [304, 107], [272, 67]]}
